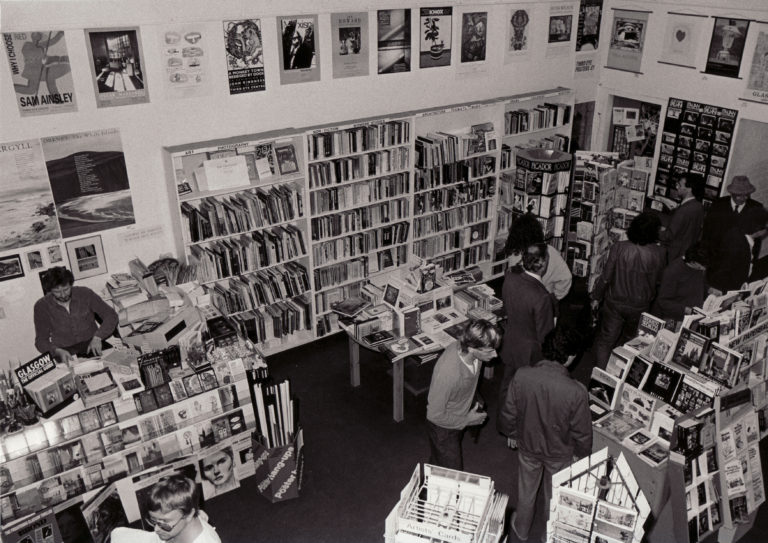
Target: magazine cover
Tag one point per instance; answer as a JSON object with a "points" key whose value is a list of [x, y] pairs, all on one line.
{"points": [[245, 56], [184, 52], [40, 72], [104, 513], [435, 41], [394, 40], [89, 181], [625, 51], [26, 202], [117, 64], [350, 56], [299, 53], [474, 31], [727, 46]]}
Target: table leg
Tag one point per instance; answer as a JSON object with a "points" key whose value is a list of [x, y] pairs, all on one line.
{"points": [[354, 363], [397, 389]]}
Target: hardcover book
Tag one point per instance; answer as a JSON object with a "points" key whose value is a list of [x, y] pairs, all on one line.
{"points": [[690, 349], [721, 364], [662, 382]]}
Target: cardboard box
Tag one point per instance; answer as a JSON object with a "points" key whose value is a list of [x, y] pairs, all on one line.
{"points": [[279, 470]]}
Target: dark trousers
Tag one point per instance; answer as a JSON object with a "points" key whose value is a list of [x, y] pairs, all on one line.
{"points": [[532, 474], [618, 323], [445, 447]]}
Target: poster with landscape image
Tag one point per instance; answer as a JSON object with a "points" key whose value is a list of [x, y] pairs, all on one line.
{"points": [[89, 181]]}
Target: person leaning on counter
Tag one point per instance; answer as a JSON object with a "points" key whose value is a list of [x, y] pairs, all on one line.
{"points": [[65, 318]]}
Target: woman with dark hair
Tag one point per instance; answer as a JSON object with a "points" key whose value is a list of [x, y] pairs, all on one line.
{"points": [[628, 284], [683, 284]]}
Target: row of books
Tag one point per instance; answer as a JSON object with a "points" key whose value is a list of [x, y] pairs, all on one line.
{"points": [[546, 115], [326, 324], [247, 253], [342, 170], [241, 212], [275, 322], [447, 174], [346, 196], [336, 274], [534, 182], [557, 142], [450, 219], [455, 195], [430, 247], [439, 148], [260, 288], [358, 139], [354, 245], [358, 219]]}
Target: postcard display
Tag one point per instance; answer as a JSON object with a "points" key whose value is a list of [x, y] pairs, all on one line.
{"points": [[694, 403], [105, 456], [281, 226]]}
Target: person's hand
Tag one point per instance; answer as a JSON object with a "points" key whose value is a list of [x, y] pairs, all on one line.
{"points": [[594, 304], [94, 347], [512, 443], [63, 356], [476, 417]]}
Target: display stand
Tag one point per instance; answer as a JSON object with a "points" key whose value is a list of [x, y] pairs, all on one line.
{"points": [[279, 470]]}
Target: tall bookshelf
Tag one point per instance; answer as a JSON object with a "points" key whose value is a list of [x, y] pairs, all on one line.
{"points": [[456, 159], [359, 179], [243, 223]]}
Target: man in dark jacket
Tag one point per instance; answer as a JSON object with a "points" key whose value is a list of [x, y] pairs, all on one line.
{"points": [[685, 225], [732, 264], [546, 416], [727, 212]]}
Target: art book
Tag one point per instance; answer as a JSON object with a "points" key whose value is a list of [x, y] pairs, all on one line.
{"points": [[104, 513], [602, 388], [638, 440], [637, 405], [690, 349], [721, 364], [662, 382]]}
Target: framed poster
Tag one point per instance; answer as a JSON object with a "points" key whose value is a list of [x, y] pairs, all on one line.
{"points": [[625, 51], [86, 257], [727, 46], [117, 66], [299, 54], [10, 267]]}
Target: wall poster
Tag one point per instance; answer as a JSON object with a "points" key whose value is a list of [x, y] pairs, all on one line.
{"points": [[117, 64], [245, 56], [89, 181], [695, 140], [519, 34], [394, 40], [727, 46], [588, 29], [560, 29], [184, 52], [757, 80], [435, 40], [625, 51], [26, 202], [681, 39], [350, 33], [299, 54], [40, 71], [474, 32]]}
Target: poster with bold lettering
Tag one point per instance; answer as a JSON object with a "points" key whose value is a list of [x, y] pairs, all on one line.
{"points": [[184, 53], [681, 39], [435, 39], [245, 56], [26, 202], [299, 52], [519, 33], [625, 51], [727, 46], [89, 181], [40, 72], [349, 33], [394, 40], [757, 81], [117, 66]]}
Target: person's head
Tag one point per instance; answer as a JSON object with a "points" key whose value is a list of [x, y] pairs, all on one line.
{"points": [[561, 343], [296, 39], [481, 339], [525, 231], [689, 185], [536, 258], [58, 281], [740, 188], [697, 257], [218, 467], [172, 505], [644, 229]]}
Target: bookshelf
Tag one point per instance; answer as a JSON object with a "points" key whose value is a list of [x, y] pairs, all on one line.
{"points": [[359, 179], [538, 120]]}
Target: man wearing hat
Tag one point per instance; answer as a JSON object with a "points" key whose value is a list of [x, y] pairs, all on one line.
{"points": [[727, 212], [733, 263]]}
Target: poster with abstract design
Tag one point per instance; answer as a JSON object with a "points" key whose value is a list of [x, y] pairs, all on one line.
{"points": [[695, 141], [26, 202], [681, 39], [588, 29], [627, 39], [184, 53], [89, 181], [394, 40], [40, 72], [757, 81], [299, 52], [435, 38], [350, 55], [245, 56], [727, 46], [519, 33], [474, 32], [117, 64]]}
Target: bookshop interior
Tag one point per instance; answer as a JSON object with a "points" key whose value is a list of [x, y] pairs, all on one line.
{"points": [[464, 272]]}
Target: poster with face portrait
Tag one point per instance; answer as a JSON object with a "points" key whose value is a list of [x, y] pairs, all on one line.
{"points": [[727, 46], [625, 51], [695, 140], [217, 469], [299, 51], [350, 52], [757, 80], [519, 23], [117, 66], [681, 39], [561, 19], [245, 56]]}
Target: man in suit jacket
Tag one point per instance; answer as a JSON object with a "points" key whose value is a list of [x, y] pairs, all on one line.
{"points": [[727, 212], [685, 225], [530, 313], [732, 265]]}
